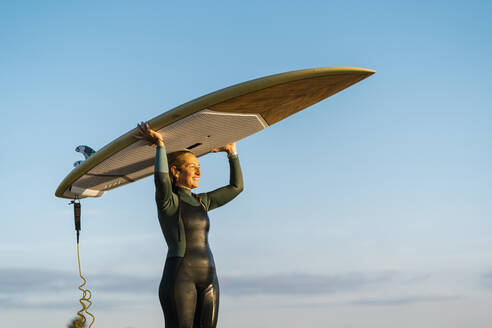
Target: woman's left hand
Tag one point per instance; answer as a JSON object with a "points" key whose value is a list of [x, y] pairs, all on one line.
{"points": [[229, 149], [148, 135]]}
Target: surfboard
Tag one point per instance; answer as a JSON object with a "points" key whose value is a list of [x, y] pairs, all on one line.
{"points": [[208, 122]]}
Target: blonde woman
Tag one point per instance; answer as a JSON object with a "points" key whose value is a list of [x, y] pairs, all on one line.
{"points": [[189, 289]]}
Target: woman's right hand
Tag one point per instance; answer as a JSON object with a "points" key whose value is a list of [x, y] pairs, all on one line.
{"points": [[147, 134], [229, 149]]}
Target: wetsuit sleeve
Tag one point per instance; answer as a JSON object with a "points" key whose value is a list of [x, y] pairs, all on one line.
{"points": [[225, 194], [166, 200]]}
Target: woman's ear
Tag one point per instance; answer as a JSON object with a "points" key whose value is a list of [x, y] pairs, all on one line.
{"points": [[174, 171]]}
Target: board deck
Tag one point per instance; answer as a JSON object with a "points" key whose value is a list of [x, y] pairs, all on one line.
{"points": [[208, 122]]}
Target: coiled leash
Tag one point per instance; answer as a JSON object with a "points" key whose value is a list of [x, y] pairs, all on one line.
{"points": [[86, 293]]}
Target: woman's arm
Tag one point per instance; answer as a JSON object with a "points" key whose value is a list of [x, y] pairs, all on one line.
{"points": [[225, 194], [165, 199]]}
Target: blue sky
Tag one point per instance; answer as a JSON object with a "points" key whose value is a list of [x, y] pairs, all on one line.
{"points": [[370, 209]]}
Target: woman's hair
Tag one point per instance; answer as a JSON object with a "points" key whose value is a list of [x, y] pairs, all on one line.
{"points": [[177, 159]]}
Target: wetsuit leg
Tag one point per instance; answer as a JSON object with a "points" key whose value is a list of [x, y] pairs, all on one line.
{"points": [[177, 294], [185, 296], [208, 306], [166, 291]]}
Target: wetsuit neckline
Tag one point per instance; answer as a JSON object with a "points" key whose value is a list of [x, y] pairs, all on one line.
{"points": [[185, 191], [187, 196]]}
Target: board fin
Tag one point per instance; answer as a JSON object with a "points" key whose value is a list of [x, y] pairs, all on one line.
{"points": [[84, 150]]}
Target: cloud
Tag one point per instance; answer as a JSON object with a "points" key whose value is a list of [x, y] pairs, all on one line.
{"points": [[19, 303], [487, 280], [41, 288], [126, 283], [16, 302], [6, 302], [418, 278], [26, 281], [403, 300], [33, 280], [300, 283], [53, 289], [19, 288]]}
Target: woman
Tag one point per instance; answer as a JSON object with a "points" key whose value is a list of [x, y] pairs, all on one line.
{"points": [[189, 290]]}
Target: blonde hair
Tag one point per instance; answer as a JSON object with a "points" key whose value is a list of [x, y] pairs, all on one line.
{"points": [[177, 159]]}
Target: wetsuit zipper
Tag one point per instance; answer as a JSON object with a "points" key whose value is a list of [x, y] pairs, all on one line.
{"points": [[179, 217]]}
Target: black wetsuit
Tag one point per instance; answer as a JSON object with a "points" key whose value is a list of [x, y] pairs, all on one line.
{"points": [[189, 289]]}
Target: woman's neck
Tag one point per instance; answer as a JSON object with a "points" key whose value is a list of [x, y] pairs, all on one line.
{"points": [[183, 187]]}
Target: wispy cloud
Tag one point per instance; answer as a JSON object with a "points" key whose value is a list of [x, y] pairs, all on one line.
{"points": [[50, 289], [403, 300], [19, 303], [300, 283], [126, 283], [41, 280], [19, 288], [33, 280], [487, 280], [37, 280], [418, 278], [16, 302], [6, 302]]}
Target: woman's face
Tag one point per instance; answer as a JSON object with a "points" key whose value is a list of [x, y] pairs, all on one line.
{"points": [[188, 174]]}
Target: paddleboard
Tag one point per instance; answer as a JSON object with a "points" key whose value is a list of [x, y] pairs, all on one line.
{"points": [[208, 122]]}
